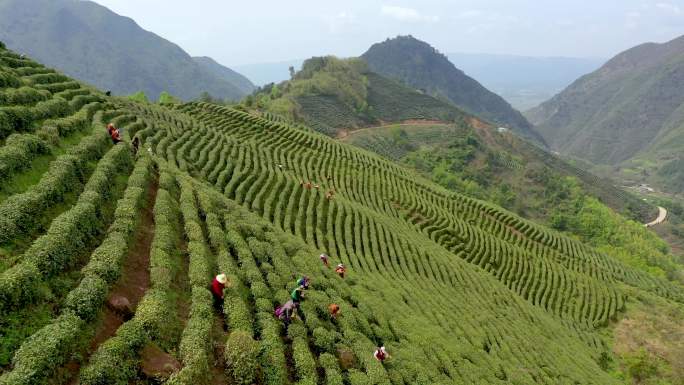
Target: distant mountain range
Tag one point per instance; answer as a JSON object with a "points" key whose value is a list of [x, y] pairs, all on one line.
{"points": [[92, 43], [524, 81], [420, 66], [631, 108]]}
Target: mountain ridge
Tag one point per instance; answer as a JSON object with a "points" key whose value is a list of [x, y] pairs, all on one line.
{"points": [[94, 44], [420, 66], [622, 110]]}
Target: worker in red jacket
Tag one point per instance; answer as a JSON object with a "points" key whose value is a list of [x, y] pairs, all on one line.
{"points": [[116, 136], [217, 286], [381, 354]]}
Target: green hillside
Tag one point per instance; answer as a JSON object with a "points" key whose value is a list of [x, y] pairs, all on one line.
{"points": [[459, 290], [334, 95], [418, 65], [628, 113], [499, 167], [88, 41]]}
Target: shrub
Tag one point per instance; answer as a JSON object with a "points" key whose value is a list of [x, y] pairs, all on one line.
{"points": [[20, 213], [44, 351], [154, 313], [237, 312], [358, 378], [23, 95], [115, 361], [324, 339], [106, 260], [194, 346], [86, 299], [18, 152], [241, 357], [272, 356], [304, 361], [332, 369], [8, 80]]}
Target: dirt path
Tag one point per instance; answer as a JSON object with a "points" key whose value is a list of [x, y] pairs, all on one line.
{"points": [[662, 215], [345, 133], [134, 281], [218, 340]]}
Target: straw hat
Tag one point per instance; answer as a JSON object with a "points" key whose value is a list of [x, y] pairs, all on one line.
{"points": [[222, 278]]}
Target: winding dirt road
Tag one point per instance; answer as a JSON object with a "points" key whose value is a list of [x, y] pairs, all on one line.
{"points": [[662, 215]]}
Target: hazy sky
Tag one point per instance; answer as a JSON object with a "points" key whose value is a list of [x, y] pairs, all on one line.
{"points": [[239, 32]]}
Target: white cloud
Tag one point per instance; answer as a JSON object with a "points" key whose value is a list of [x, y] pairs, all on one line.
{"points": [[406, 14], [669, 7]]}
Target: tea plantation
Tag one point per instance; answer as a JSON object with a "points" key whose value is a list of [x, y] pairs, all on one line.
{"points": [[458, 290]]}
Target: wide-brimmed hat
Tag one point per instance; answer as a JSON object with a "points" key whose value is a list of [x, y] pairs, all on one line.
{"points": [[222, 278]]}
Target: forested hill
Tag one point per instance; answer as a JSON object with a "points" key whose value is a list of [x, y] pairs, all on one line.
{"points": [[93, 44], [419, 66], [632, 106], [335, 95]]}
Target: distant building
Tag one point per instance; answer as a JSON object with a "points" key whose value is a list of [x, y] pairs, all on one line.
{"points": [[502, 129]]}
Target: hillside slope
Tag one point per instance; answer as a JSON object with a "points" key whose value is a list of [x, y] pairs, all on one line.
{"points": [[335, 95], [459, 290], [93, 44], [632, 105], [492, 165], [210, 65], [418, 65]]}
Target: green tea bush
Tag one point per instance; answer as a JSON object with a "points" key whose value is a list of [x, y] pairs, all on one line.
{"points": [[85, 301], [272, 356], [115, 361], [58, 87], [305, 364], [43, 352], [46, 78], [357, 377], [8, 80], [194, 346], [19, 213], [241, 355], [324, 339], [237, 312], [332, 369], [107, 258], [79, 121], [68, 235], [154, 313], [23, 96], [18, 152]]}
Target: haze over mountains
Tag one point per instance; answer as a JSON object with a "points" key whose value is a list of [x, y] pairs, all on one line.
{"points": [[90, 42], [524, 81]]}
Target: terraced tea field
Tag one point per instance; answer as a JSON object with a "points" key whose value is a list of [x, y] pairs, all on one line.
{"points": [[458, 290]]}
